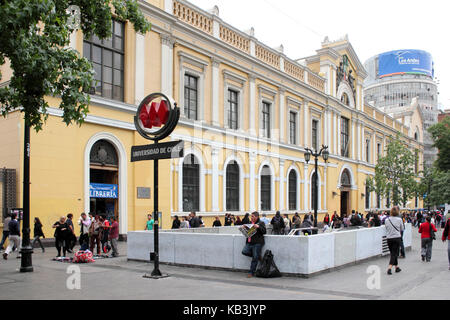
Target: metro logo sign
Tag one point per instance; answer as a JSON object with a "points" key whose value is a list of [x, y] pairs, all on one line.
{"points": [[154, 115]]}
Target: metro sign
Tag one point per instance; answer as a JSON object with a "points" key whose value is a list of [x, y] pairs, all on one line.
{"points": [[154, 115]]}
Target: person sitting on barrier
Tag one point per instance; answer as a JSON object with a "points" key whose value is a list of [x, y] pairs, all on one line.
{"points": [[254, 244]]}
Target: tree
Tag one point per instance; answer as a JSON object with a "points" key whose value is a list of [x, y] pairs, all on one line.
{"points": [[34, 37], [394, 173], [440, 133]]}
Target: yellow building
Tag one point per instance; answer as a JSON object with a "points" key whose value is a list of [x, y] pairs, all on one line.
{"points": [[247, 114]]}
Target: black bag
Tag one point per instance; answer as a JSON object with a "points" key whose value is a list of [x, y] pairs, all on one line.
{"points": [[267, 267], [432, 234]]}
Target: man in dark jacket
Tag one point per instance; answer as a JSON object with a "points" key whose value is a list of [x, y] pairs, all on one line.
{"points": [[14, 236], [195, 221], [254, 244]]}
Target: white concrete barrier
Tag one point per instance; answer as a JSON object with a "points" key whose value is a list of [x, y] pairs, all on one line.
{"points": [[222, 248]]}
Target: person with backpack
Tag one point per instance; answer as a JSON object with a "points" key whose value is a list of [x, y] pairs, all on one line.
{"points": [[253, 245], [278, 224], [394, 227], [427, 230], [445, 237]]}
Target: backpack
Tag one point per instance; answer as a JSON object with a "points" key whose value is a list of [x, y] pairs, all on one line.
{"points": [[278, 223], [267, 267]]}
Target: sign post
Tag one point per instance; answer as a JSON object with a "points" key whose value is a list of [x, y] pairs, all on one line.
{"points": [[156, 117]]}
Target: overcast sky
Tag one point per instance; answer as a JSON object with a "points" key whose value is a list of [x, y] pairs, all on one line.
{"points": [[373, 27]]}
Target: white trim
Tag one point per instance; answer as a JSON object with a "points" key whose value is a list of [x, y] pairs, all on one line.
{"points": [[240, 105], [271, 115], [297, 126], [230, 158], [123, 176]]}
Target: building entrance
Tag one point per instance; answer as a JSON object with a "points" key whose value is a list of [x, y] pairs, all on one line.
{"points": [[344, 203], [104, 177]]}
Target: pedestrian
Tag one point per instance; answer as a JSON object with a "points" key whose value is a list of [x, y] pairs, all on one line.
{"points": [[446, 237], [355, 219], [104, 233], [176, 223], [287, 224], [195, 221], [238, 221], [38, 233], [246, 219], [150, 222], [217, 222], [326, 219], [394, 226], [84, 223], [113, 237], [265, 219], [426, 230], [306, 225], [72, 238], [278, 224], [296, 223], [62, 236], [254, 244], [94, 234], [5, 231], [185, 223], [228, 220], [13, 237]]}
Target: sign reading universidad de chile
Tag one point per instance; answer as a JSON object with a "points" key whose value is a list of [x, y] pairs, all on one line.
{"points": [[405, 62], [101, 190]]}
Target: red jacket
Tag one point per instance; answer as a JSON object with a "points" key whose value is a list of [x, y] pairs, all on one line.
{"points": [[446, 230], [425, 229]]}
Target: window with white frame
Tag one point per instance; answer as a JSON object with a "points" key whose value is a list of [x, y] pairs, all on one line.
{"points": [[293, 127], [266, 119], [233, 109], [190, 96]]}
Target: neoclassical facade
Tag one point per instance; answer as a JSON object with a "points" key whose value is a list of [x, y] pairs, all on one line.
{"points": [[247, 114]]}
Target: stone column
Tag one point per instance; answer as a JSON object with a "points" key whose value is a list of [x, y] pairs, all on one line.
{"points": [[282, 115], [215, 92], [281, 201], [252, 161], [252, 105], [215, 179], [306, 141], [167, 42]]}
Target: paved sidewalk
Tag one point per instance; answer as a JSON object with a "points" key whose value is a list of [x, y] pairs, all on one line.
{"points": [[118, 278]]}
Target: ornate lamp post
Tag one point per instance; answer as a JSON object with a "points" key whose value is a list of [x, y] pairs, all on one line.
{"points": [[316, 155]]}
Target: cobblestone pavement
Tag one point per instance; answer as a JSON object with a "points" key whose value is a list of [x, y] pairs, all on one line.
{"points": [[118, 278]]}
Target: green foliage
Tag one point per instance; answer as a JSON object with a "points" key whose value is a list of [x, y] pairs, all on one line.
{"points": [[394, 173], [435, 184], [440, 133], [34, 37]]}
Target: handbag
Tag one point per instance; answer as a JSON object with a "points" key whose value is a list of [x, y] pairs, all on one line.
{"points": [[432, 234]]}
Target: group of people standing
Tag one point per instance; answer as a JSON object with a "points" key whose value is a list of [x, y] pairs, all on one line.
{"points": [[95, 230]]}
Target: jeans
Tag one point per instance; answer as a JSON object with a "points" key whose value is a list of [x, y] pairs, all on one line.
{"points": [[37, 238], [394, 246], [14, 241], [115, 247], [253, 251], [4, 237], [427, 247]]}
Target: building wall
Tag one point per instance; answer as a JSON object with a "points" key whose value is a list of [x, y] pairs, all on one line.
{"points": [[221, 57]]}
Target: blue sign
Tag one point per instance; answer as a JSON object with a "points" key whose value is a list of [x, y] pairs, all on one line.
{"points": [[101, 190], [404, 62]]}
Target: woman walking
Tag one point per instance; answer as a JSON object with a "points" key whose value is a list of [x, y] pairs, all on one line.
{"points": [[425, 230], [38, 233], [394, 227], [176, 224]]}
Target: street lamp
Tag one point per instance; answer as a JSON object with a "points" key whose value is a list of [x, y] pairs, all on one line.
{"points": [[316, 155]]}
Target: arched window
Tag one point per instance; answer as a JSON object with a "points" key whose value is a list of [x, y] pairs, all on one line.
{"points": [[191, 184], [232, 186], [345, 100], [345, 179], [313, 190], [266, 188], [292, 190]]}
